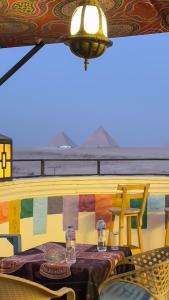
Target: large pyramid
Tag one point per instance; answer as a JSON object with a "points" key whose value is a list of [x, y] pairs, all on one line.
{"points": [[62, 141], [99, 139], [166, 145]]}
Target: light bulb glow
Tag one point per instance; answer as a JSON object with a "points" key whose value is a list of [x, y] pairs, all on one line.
{"points": [[91, 19], [104, 24], [76, 21]]}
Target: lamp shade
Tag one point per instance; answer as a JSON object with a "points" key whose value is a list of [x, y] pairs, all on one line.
{"points": [[5, 158], [89, 19], [88, 31]]}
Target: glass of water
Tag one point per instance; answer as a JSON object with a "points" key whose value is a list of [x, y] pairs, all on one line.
{"points": [[115, 241]]}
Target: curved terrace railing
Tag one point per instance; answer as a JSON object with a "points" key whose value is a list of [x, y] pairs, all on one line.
{"points": [[28, 168]]}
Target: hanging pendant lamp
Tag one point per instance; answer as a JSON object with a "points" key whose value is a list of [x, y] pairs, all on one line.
{"points": [[88, 31]]}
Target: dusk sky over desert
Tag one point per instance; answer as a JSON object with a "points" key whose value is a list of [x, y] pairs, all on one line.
{"points": [[125, 91]]}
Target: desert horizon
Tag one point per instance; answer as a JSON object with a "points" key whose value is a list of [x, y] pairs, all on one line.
{"points": [[114, 167]]}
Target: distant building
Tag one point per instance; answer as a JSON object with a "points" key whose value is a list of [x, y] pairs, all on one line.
{"points": [[100, 139], [62, 141]]}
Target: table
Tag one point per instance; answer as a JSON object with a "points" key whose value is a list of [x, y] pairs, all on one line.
{"points": [[89, 271]]}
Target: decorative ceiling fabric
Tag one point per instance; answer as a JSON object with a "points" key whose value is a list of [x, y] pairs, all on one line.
{"points": [[29, 22]]}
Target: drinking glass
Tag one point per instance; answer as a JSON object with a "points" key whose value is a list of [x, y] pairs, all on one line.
{"points": [[115, 241]]}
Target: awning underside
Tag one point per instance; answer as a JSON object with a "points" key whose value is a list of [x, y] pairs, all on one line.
{"points": [[28, 22]]}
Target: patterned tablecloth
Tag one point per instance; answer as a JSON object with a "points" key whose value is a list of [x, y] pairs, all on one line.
{"points": [[84, 276]]}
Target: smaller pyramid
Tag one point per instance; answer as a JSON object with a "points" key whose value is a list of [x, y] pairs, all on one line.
{"points": [[62, 141], [100, 139]]}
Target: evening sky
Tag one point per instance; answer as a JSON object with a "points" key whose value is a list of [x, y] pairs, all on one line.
{"points": [[125, 91]]}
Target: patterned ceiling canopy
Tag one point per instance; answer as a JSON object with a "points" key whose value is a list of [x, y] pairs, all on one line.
{"points": [[28, 22]]}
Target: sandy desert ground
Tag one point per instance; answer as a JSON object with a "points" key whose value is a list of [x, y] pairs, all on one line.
{"points": [[90, 167]]}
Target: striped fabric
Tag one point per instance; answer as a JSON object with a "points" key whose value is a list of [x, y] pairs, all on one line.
{"points": [[14, 216], [70, 211], [86, 203], [40, 215], [4, 207], [102, 204], [55, 205]]}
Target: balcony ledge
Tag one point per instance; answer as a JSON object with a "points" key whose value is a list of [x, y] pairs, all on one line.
{"points": [[58, 186]]}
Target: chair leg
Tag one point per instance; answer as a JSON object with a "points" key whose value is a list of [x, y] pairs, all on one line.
{"points": [[139, 233], [167, 231], [111, 228], [128, 231], [121, 230]]}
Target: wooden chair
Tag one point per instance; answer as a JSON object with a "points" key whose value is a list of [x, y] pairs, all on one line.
{"points": [[125, 193], [15, 288], [148, 281], [167, 227]]}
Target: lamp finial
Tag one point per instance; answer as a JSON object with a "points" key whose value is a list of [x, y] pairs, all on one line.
{"points": [[86, 62]]}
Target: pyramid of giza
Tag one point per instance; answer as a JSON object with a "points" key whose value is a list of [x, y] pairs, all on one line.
{"points": [[100, 138], [62, 140]]}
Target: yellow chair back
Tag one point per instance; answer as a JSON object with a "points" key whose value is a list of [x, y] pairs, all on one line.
{"points": [[16, 288]]}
